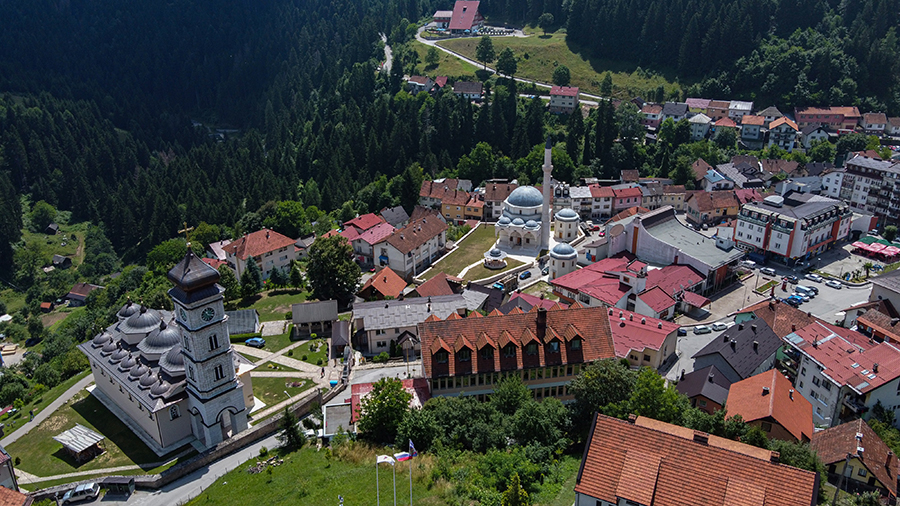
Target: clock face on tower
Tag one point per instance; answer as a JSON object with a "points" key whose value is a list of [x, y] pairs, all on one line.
{"points": [[208, 314], [183, 315]]}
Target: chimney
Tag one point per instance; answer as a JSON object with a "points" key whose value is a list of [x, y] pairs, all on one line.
{"points": [[755, 345], [791, 393], [711, 378], [725, 337], [701, 437], [765, 391], [541, 323], [740, 326], [675, 262], [875, 367], [733, 344], [682, 375], [793, 328], [631, 317], [632, 418], [775, 457], [753, 328], [621, 314], [659, 325], [887, 462], [610, 311], [643, 321]]}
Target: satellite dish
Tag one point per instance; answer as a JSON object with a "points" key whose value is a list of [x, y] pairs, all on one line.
{"points": [[617, 230]]}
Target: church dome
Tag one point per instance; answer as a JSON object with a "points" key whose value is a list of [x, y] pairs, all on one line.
{"points": [[566, 215], [128, 309], [101, 339], [148, 379], [128, 363], [563, 251], [504, 220], [108, 348], [161, 341], [120, 355], [192, 273], [138, 370], [160, 388], [531, 224], [173, 362], [525, 196], [143, 321], [518, 222]]}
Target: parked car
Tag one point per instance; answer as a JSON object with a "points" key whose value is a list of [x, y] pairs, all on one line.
{"points": [[791, 279], [702, 329], [545, 271], [498, 286], [525, 275], [595, 228], [793, 301], [802, 297], [805, 290], [768, 271], [256, 342], [748, 264], [682, 331], [834, 284], [719, 326], [81, 493], [814, 277]]}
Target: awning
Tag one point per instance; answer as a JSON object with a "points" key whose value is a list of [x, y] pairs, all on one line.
{"points": [[78, 438], [859, 244], [876, 247], [694, 299], [890, 251]]}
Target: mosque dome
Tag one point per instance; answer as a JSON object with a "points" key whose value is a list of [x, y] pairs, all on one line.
{"points": [[504, 220], [531, 224], [496, 253], [120, 355], [138, 370], [566, 215], [108, 348], [563, 251], [128, 363], [518, 222], [525, 196], [173, 362]]}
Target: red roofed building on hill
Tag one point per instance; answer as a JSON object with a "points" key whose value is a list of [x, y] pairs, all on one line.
{"points": [[768, 401], [563, 99], [466, 17], [364, 222], [643, 341], [646, 462], [546, 347], [383, 285], [268, 248]]}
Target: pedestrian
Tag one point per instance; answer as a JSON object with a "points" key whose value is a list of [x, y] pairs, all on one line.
{"points": [[323, 372]]}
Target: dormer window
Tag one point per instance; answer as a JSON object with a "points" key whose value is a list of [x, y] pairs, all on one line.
{"points": [[554, 346], [464, 355], [576, 344], [531, 349], [441, 357], [509, 351]]}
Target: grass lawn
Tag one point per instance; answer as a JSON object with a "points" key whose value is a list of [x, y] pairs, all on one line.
{"points": [[38, 403], [271, 390], [272, 305], [562, 494], [449, 65], [541, 288], [471, 250], [766, 287], [481, 272], [320, 353], [42, 456], [273, 367], [278, 342], [538, 55], [14, 300]]}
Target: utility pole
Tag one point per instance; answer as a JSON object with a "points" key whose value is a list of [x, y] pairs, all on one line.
{"points": [[840, 484]]}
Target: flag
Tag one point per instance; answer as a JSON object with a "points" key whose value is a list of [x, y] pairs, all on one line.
{"points": [[384, 459], [402, 456], [412, 449]]}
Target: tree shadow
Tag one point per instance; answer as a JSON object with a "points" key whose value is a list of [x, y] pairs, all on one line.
{"points": [[600, 65], [483, 75], [246, 302], [546, 36]]}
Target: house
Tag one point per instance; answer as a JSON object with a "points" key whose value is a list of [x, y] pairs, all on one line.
{"points": [[886, 287], [883, 306], [723, 123], [812, 134], [417, 84], [377, 324], [12, 497], [697, 105], [468, 356], [453, 204], [742, 174], [466, 18], [439, 284], [52, 229], [493, 196], [563, 99], [526, 302], [469, 90], [673, 195], [243, 321], [706, 388], [645, 462], [700, 124], [752, 129], [879, 326], [626, 196], [364, 222], [442, 19], [46, 307], [738, 109], [602, 201], [676, 111], [413, 248], [778, 166], [781, 318], [217, 249], [652, 115], [268, 248], [838, 118], [871, 463], [783, 133], [768, 401], [715, 180], [396, 216], [643, 341], [385, 284], [364, 244], [700, 168], [61, 262], [770, 114], [893, 127], [741, 351], [651, 195], [874, 123], [302, 246], [717, 109], [77, 296], [843, 373], [318, 317], [432, 193], [711, 207]]}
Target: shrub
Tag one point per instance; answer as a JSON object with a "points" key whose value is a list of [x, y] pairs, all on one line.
{"points": [[319, 361], [381, 358], [288, 315], [303, 358], [290, 353], [263, 451]]}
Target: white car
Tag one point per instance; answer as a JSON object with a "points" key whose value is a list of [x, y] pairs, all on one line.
{"points": [[719, 326], [834, 284], [814, 277], [82, 493], [749, 264], [702, 329], [767, 271]]}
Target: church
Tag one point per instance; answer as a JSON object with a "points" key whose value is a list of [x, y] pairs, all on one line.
{"points": [[172, 376]]}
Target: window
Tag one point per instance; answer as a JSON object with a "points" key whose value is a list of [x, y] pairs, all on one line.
{"points": [[219, 372], [576, 344], [464, 355], [531, 349], [826, 385], [187, 344], [191, 372], [487, 353], [509, 351], [862, 472], [646, 358], [173, 413], [554, 347], [441, 357], [803, 371], [213, 342], [766, 427], [380, 344], [701, 403], [816, 381]]}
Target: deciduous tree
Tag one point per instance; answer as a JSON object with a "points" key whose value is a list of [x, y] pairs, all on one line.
{"points": [[545, 21], [561, 75], [484, 52], [331, 271], [383, 409], [229, 282], [506, 63]]}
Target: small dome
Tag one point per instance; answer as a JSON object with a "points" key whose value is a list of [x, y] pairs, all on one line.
{"points": [[531, 224], [173, 362], [128, 309], [161, 341], [192, 273], [101, 339], [504, 220], [128, 363], [566, 215], [496, 253], [525, 196], [518, 222], [120, 355], [563, 251], [148, 379], [144, 320], [160, 388], [138, 370], [108, 348]]}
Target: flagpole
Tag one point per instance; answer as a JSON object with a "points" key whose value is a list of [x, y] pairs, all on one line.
{"points": [[395, 484], [410, 482], [377, 498]]}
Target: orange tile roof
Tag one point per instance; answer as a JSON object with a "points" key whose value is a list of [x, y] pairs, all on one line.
{"points": [[386, 282], [784, 120], [659, 464], [599, 192], [438, 285], [780, 404], [781, 318], [631, 211], [12, 498], [753, 120], [833, 445], [257, 243]]}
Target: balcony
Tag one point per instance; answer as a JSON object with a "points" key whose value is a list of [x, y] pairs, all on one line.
{"points": [[854, 404], [757, 221]]}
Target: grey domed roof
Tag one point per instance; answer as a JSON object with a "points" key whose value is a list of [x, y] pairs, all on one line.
{"points": [[143, 321], [518, 222], [531, 224], [192, 273], [563, 251], [566, 214], [119, 355], [161, 341], [101, 339], [160, 388], [128, 309], [173, 362], [148, 379], [138, 370], [496, 253], [128, 363], [525, 196], [109, 348], [504, 220]]}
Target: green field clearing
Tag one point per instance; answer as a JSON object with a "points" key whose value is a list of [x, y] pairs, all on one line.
{"points": [[481, 272], [37, 403], [449, 65], [541, 288], [272, 305], [469, 251], [538, 55], [271, 390]]}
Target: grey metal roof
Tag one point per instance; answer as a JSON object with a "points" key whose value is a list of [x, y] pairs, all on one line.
{"points": [[674, 109], [79, 438], [243, 321], [742, 357], [396, 216], [708, 382], [314, 312], [475, 300], [337, 415], [692, 243], [580, 192], [340, 333], [192, 273], [798, 205], [406, 313], [891, 281]]}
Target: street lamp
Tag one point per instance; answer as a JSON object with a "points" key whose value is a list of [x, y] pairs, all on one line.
{"points": [[287, 394]]}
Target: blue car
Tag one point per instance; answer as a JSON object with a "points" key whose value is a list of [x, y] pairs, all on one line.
{"points": [[256, 342], [525, 275]]}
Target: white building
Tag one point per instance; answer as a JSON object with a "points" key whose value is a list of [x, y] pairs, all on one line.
{"points": [[831, 184], [699, 126], [563, 99], [268, 248], [525, 219], [566, 226], [413, 248], [563, 260], [738, 109]]}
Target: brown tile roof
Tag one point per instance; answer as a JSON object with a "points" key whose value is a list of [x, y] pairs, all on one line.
{"points": [[673, 188], [770, 397], [881, 322], [753, 120], [833, 445], [416, 234], [700, 168], [83, 289], [708, 201], [883, 305], [12, 498], [599, 192], [440, 284], [852, 112], [651, 109], [498, 191], [658, 464], [781, 318], [420, 212], [455, 198], [631, 211], [630, 176], [436, 190], [590, 325], [778, 166], [875, 118], [719, 104], [386, 282], [257, 243]]}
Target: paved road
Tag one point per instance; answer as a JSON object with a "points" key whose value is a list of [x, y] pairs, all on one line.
{"points": [[49, 410]]}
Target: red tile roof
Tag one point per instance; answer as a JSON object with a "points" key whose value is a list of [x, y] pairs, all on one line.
{"points": [[464, 13], [589, 326], [12, 498], [258, 243], [377, 233], [438, 285], [565, 91], [498, 191], [351, 234], [674, 278], [659, 464], [700, 168], [832, 445], [745, 195], [623, 193], [416, 233], [440, 81], [536, 301], [753, 120], [364, 222], [632, 331], [770, 397], [599, 280], [214, 262], [695, 299], [784, 120], [726, 122], [386, 282], [599, 192], [657, 299]]}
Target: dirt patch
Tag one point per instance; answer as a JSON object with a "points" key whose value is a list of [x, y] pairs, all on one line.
{"points": [[51, 318]]}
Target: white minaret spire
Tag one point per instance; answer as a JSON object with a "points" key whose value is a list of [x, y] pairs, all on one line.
{"points": [[548, 191]]}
